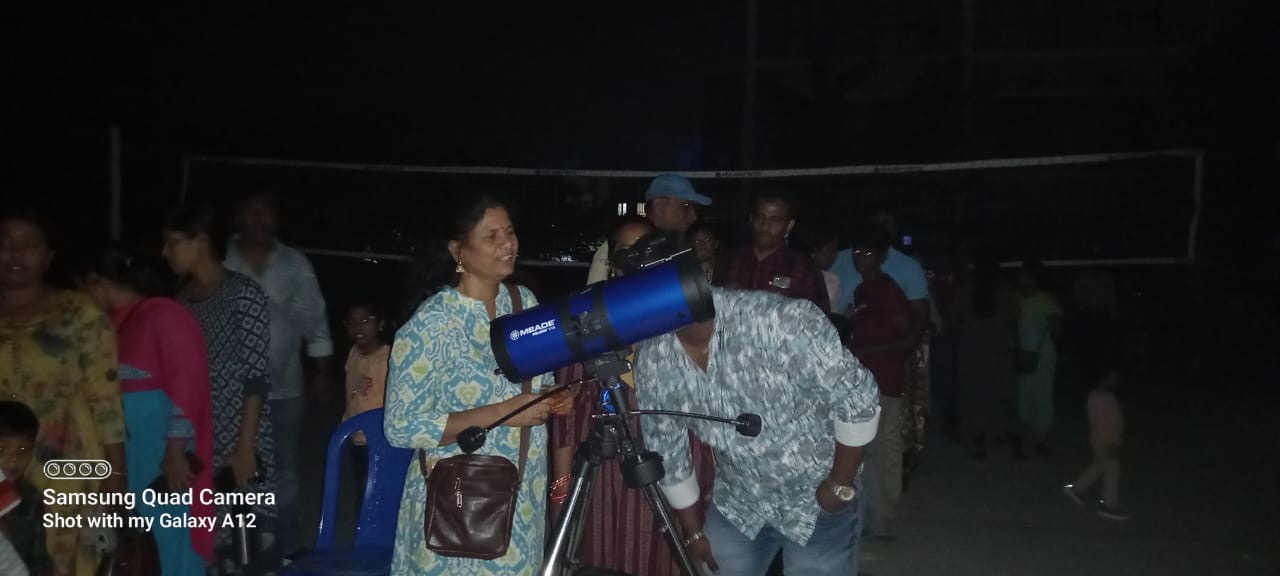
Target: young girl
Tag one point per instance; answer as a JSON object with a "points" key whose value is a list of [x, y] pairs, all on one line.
{"points": [[366, 373], [1106, 434], [1100, 363]]}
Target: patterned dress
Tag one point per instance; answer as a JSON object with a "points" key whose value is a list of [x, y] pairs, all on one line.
{"points": [[441, 363], [62, 363], [237, 334]]}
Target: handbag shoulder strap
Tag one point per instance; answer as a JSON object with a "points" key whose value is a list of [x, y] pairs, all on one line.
{"points": [[517, 306]]}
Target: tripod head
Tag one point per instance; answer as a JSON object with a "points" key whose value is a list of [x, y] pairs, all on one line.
{"points": [[612, 365]]}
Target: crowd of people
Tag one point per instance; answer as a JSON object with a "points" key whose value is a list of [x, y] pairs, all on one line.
{"points": [[832, 336], [195, 387]]}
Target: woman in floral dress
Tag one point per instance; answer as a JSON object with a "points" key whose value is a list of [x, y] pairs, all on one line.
{"points": [[58, 356], [442, 381]]}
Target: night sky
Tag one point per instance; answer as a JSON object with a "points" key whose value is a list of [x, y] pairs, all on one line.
{"points": [[648, 87]]}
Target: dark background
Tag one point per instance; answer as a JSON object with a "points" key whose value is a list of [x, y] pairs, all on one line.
{"points": [[662, 85], [659, 86]]}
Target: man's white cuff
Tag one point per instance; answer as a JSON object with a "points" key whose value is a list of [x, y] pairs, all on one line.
{"points": [[320, 349], [682, 494], [859, 433]]}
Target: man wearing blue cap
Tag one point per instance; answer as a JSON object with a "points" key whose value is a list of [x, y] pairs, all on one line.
{"points": [[671, 199]]}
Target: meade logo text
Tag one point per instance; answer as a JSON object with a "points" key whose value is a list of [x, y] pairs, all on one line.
{"points": [[535, 330]]}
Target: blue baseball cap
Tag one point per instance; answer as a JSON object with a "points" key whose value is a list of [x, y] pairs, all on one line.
{"points": [[675, 186]]}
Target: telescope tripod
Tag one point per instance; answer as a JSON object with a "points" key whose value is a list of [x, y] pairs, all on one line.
{"points": [[610, 438]]}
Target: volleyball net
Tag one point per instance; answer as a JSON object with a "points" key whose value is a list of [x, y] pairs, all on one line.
{"points": [[1130, 208]]}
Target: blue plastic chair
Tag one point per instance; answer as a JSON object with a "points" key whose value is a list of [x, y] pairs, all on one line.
{"points": [[370, 555]]}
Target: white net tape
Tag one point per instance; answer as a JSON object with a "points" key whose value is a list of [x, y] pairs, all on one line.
{"points": [[1186, 193]]}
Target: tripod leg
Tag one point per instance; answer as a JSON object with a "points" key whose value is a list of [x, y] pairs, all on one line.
{"points": [[564, 544], [659, 506], [578, 523]]}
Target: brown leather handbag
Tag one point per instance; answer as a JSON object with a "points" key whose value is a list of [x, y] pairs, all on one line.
{"points": [[471, 498]]}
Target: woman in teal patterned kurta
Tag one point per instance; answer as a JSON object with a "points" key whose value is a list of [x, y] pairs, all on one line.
{"points": [[442, 381]]}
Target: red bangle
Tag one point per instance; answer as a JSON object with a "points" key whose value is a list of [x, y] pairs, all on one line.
{"points": [[561, 482]]}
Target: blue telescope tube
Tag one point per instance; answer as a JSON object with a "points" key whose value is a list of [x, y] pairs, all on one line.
{"points": [[604, 317]]}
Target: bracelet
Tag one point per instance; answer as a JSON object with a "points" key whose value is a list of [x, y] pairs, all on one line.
{"points": [[559, 498], [694, 538], [561, 482]]}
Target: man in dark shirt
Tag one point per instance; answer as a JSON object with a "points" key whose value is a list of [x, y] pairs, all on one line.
{"points": [[770, 265], [882, 339]]}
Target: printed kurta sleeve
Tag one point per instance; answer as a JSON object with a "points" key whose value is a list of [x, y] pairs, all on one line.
{"points": [[179, 425], [99, 384], [416, 411], [665, 435], [253, 321], [816, 355]]}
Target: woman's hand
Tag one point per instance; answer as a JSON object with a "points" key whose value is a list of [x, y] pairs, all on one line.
{"points": [[536, 415], [177, 471], [244, 464], [562, 402]]}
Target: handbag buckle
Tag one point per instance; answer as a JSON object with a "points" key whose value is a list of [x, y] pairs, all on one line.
{"points": [[457, 491]]}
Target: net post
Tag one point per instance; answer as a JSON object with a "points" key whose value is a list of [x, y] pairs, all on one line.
{"points": [[1197, 192]]}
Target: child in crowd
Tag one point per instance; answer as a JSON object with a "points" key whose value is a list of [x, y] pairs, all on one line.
{"points": [[10, 563], [23, 526], [1106, 434], [366, 373], [706, 247]]}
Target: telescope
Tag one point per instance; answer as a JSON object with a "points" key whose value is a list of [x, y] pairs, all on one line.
{"points": [[662, 290], [659, 294]]}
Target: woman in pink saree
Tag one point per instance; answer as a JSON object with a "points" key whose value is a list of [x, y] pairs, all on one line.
{"points": [[164, 381]]}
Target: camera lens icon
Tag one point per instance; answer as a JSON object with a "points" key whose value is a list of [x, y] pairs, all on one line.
{"points": [[77, 469]]}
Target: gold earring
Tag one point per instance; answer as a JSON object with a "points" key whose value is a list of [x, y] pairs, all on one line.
{"points": [[460, 269]]}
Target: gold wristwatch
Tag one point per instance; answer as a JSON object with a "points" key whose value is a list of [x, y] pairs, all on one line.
{"points": [[842, 492]]}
